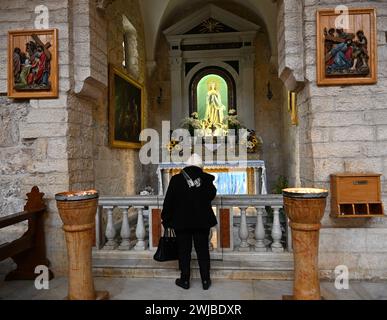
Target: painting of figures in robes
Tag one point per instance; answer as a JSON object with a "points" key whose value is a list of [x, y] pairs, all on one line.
{"points": [[346, 47], [125, 110], [33, 64]]}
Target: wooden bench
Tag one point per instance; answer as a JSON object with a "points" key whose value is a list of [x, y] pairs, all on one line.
{"points": [[29, 250]]}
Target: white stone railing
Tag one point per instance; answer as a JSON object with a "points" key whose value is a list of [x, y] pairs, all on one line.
{"points": [[244, 223]]}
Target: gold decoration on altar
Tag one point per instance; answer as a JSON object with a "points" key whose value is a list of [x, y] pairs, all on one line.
{"points": [[252, 141]]}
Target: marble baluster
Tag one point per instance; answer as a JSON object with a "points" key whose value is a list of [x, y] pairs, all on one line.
{"points": [[125, 230], [276, 232], [98, 233], [210, 245], [243, 231], [110, 232], [260, 232], [264, 187], [257, 181], [140, 230]]}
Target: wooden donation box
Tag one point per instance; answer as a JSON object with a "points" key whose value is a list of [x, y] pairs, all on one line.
{"points": [[356, 195]]}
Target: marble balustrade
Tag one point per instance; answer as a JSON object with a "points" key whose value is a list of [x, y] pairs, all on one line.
{"points": [[258, 223]]}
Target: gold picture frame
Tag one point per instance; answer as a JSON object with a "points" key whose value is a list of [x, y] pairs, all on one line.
{"points": [[33, 64], [126, 110], [346, 56]]}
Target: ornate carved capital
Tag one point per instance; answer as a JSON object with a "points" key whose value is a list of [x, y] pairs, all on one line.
{"points": [[176, 62], [248, 60]]}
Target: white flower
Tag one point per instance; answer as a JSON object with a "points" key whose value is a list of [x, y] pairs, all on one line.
{"points": [[243, 142], [195, 115], [250, 145], [178, 147]]}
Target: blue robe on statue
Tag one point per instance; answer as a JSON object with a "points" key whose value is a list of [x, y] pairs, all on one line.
{"points": [[340, 61]]}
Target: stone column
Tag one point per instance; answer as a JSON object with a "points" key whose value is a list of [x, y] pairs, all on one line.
{"points": [[178, 113], [247, 74]]}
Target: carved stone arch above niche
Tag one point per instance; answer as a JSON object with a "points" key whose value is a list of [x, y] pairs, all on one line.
{"points": [[208, 71], [212, 38]]}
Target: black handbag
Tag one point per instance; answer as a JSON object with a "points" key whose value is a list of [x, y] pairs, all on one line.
{"points": [[167, 249]]}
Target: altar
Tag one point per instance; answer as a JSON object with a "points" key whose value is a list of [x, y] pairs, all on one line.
{"points": [[230, 176]]}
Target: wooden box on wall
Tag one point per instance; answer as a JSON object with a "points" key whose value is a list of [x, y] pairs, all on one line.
{"points": [[356, 195]]}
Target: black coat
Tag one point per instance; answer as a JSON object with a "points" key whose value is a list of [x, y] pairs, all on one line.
{"points": [[189, 208]]}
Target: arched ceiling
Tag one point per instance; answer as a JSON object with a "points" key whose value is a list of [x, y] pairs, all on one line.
{"points": [[157, 13]]}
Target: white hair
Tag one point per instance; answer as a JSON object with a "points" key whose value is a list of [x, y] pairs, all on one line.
{"points": [[195, 160]]}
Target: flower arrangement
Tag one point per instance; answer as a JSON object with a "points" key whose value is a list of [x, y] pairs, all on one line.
{"points": [[233, 121], [174, 145], [252, 141], [191, 123], [148, 191]]}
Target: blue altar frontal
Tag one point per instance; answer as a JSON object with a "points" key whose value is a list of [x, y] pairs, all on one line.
{"points": [[231, 177]]}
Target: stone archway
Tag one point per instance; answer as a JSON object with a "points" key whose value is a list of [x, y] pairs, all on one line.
{"points": [[211, 70]]}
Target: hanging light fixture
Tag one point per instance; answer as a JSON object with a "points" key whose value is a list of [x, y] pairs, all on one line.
{"points": [[160, 97], [269, 92]]}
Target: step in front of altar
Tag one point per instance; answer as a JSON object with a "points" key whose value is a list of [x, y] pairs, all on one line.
{"points": [[230, 265]]}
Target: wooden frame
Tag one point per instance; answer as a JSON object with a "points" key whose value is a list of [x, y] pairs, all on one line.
{"points": [[363, 50], [33, 86], [119, 76]]}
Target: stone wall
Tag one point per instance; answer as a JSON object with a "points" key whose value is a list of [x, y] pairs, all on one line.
{"points": [[118, 171], [343, 129], [290, 150], [290, 42], [62, 144], [33, 143], [268, 113]]}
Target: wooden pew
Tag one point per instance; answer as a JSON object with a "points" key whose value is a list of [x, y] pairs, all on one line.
{"points": [[29, 250]]}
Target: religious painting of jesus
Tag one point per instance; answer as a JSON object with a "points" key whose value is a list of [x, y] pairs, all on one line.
{"points": [[126, 111], [33, 64], [346, 47]]}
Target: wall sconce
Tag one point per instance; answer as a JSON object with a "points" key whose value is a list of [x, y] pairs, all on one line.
{"points": [[160, 97], [269, 92], [292, 107]]}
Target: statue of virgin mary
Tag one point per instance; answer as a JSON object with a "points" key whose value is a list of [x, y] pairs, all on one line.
{"points": [[214, 107]]}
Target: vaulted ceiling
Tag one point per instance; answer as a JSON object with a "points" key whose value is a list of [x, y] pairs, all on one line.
{"points": [[158, 14]]}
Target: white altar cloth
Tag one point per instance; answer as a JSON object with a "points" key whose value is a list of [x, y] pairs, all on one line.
{"points": [[257, 165]]}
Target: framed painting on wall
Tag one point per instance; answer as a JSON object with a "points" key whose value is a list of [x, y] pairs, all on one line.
{"points": [[346, 47], [33, 63], [126, 110]]}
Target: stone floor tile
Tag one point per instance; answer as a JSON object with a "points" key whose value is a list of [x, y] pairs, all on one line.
{"points": [[164, 288], [271, 290]]}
